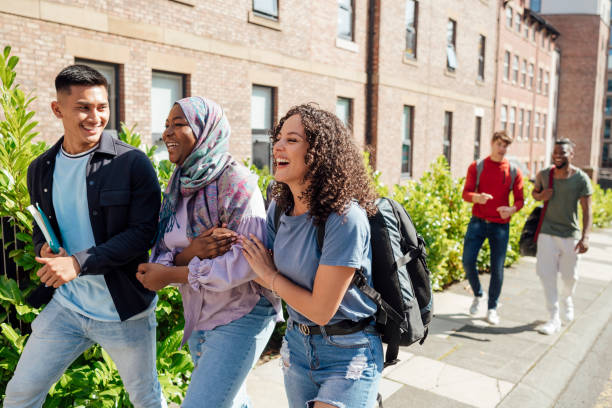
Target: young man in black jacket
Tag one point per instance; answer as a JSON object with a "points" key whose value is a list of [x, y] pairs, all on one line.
{"points": [[102, 199]]}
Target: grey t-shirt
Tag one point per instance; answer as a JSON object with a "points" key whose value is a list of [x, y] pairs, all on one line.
{"points": [[561, 218], [347, 243]]}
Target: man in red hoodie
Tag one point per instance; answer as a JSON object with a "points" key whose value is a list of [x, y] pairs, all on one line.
{"points": [[490, 218]]}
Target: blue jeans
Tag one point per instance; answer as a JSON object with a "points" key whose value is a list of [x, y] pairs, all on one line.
{"points": [[498, 234], [224, 356], [342, 370], [60, 335]]}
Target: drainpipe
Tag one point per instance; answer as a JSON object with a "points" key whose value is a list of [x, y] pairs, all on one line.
{"points": [[372, 67]]}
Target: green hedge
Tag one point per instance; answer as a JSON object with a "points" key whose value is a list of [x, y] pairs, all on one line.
{"points": [[434, 203]]}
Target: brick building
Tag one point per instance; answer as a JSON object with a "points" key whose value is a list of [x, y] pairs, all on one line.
{"points": [[256, 58], [605, 170], [584, 27], [526, 84], [434, 85]]}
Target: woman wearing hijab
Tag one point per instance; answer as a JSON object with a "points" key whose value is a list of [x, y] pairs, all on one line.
{"points": [[228, 317]]}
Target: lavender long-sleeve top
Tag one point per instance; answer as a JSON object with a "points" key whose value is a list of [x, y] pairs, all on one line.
{"points": [[220, 290]]}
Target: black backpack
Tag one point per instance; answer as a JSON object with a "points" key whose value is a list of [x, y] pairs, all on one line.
{"points": [[401, 280]]}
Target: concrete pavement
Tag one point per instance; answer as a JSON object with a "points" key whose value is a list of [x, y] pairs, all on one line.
{"points": [[466, 362]]}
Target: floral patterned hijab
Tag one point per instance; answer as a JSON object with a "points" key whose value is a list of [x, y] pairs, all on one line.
{"points": [[222, 187]]}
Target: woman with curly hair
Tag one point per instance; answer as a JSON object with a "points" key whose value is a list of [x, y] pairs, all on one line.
{"points": [[331, 354]]}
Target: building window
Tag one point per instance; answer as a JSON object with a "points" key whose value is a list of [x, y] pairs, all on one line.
{"points": [[477, 137], [345, 19], [533, 34], [608, 106], [111, 73], [528, 126], [540, 75], [507, 65], [451, 54], [607, 126], [546, 81], [512, 121], [481, 57], [515, 69], [610, 81], [504, 116], [266, 8], [166, 89], [610, 58], [606, 157], [262, 118], [344, 111], [536, 126], [524, 73], [543, 39], [530, 76], [407, 132], [526, 29], [536, 5], [520, 123], [517, 22], [509, 17], [412, 13], [543, 126], [448, 136]]}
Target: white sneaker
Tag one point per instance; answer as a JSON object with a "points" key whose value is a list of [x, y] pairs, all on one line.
{"points": [[550, 327], [492, 317], [568, 309], [475, 304]]}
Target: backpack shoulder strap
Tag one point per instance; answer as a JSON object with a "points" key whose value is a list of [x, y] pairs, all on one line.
{"points": [[320, 237], [479, 168], [512, 175]]}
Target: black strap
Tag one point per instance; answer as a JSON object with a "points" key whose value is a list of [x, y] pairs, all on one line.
{"points": [[385, 310], [277, 214]]}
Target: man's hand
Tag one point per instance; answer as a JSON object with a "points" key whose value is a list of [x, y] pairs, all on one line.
{"points": [[57, 271], [582, 246], [546, 194], [46, 252], [481, 198], [506, 212], [153, 276]]}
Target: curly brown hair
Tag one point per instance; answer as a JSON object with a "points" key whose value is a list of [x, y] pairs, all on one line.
{"points": [[335, 167]]}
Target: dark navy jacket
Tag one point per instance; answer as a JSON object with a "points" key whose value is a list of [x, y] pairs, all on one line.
{"points": [[124, 197]]}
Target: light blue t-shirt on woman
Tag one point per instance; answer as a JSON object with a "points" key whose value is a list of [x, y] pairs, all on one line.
{"points": [[346, 243], [87, 295]]}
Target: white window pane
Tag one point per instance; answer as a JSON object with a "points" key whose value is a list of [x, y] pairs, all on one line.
{"points": [[166, 89], [261, 108], [451, 57], [343, 110], [269, 7]]}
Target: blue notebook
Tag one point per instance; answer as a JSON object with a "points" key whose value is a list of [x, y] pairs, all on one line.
{"points": [[45, 226]]}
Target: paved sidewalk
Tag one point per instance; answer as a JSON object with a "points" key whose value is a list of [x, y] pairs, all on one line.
{"points": [[466, 362]]}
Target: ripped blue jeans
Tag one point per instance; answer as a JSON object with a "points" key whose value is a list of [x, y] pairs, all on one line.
{"points": [[343, 371]]}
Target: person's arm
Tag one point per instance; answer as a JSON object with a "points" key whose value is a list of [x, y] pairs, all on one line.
{"points": [[141, 227], [587, 224], [320, 305], [539, 193], [210, 244], [469, 189]]}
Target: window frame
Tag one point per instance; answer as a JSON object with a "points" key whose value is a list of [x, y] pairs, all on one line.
{"points": [[265, 14], [524, 74], [451, 45], [261, 135], [482, 43], [528, 125], [407, 130], [509, 16], [350, 103], [515, 68], [447, 141], [415, 28], [530, 73], [477, 137], [521, 118], [351, 13], [512, 121], [507, 65], [503, 117], [183, 78]]}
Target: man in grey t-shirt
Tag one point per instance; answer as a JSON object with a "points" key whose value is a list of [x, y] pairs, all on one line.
{"points": [[560, 241]]}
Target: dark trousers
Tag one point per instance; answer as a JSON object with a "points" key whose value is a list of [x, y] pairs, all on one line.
{"points": [[498, 235]]}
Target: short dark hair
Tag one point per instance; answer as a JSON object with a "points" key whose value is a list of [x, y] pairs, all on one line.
{"points": [[78, 74], [503, 136], [565, 142]]}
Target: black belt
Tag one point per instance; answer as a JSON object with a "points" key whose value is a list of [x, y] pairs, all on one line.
{"points": [[342, 327]]}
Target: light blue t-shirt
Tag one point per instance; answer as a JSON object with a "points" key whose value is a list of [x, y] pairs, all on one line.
{"points": [[347, 243], [87, 295]]}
